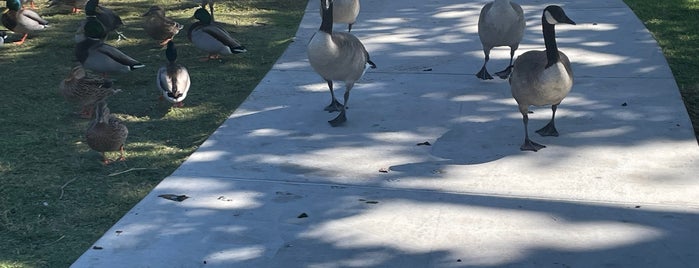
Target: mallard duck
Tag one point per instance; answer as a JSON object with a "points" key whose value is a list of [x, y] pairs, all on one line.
{"points": [[22, 21], [159, 27], [109, 20], [97, 56], [542, 77], [210, 3], [173, 79], [75, 5], [211, 38], [501, 23], [337, 56], [3, 36], [86, 89], [106, 133]]}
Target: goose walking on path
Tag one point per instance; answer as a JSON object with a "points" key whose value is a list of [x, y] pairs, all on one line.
{"points": [[337, 56], [501, 23], [542, 77], [345, 11]]}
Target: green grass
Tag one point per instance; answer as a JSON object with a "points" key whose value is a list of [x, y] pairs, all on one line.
{"points": [[674, 24], [56, 197]]}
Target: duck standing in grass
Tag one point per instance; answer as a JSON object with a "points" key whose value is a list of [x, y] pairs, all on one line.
{"points": [[542, 77], [3, 36], [159, 27], [86, 89], [108, 18], [501, 23], [210, 3], [106, 133], [337, 56], [211, 38], [173, 78], [97, 56], [22, 21], [75, 5]]}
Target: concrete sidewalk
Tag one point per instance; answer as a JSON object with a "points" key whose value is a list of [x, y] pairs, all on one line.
{"points": [[276, 186]]}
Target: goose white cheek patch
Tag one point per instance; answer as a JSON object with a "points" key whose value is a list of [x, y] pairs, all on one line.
{"points": [[549, 18]]}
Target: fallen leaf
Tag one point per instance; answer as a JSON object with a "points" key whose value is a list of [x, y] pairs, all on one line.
{"points": [[173, 197]]}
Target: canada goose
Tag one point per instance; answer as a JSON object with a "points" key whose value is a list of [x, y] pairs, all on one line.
{"points": [[21, 21], [95, 55], [542, 77], [337, 56], [173, 79], [106, 133], [345, 11], [501, 23], [3, 36]]}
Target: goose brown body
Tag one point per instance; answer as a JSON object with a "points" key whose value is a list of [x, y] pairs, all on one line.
{"points": [[542, 77], [345, 11], [501, 23], [337, 56]]}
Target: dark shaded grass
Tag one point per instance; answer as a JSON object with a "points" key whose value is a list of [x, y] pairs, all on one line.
{"points": [[56, 198]]}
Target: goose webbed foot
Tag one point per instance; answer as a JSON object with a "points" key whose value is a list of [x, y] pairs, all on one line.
{"points": [[334, 106], [548, 130], [339, 120], [483, 74], [504, 74], [529, 145]]}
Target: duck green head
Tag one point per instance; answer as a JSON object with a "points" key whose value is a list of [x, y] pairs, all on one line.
{"points": [[202, 15], [171, 52], [91, 7], [94, 29], [13, 5]]}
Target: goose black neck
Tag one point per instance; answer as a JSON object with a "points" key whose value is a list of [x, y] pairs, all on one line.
{"points": [[550, 42], [327, 15]]}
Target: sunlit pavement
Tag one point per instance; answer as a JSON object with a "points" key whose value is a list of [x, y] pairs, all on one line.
{"points": [[427, 172]]}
